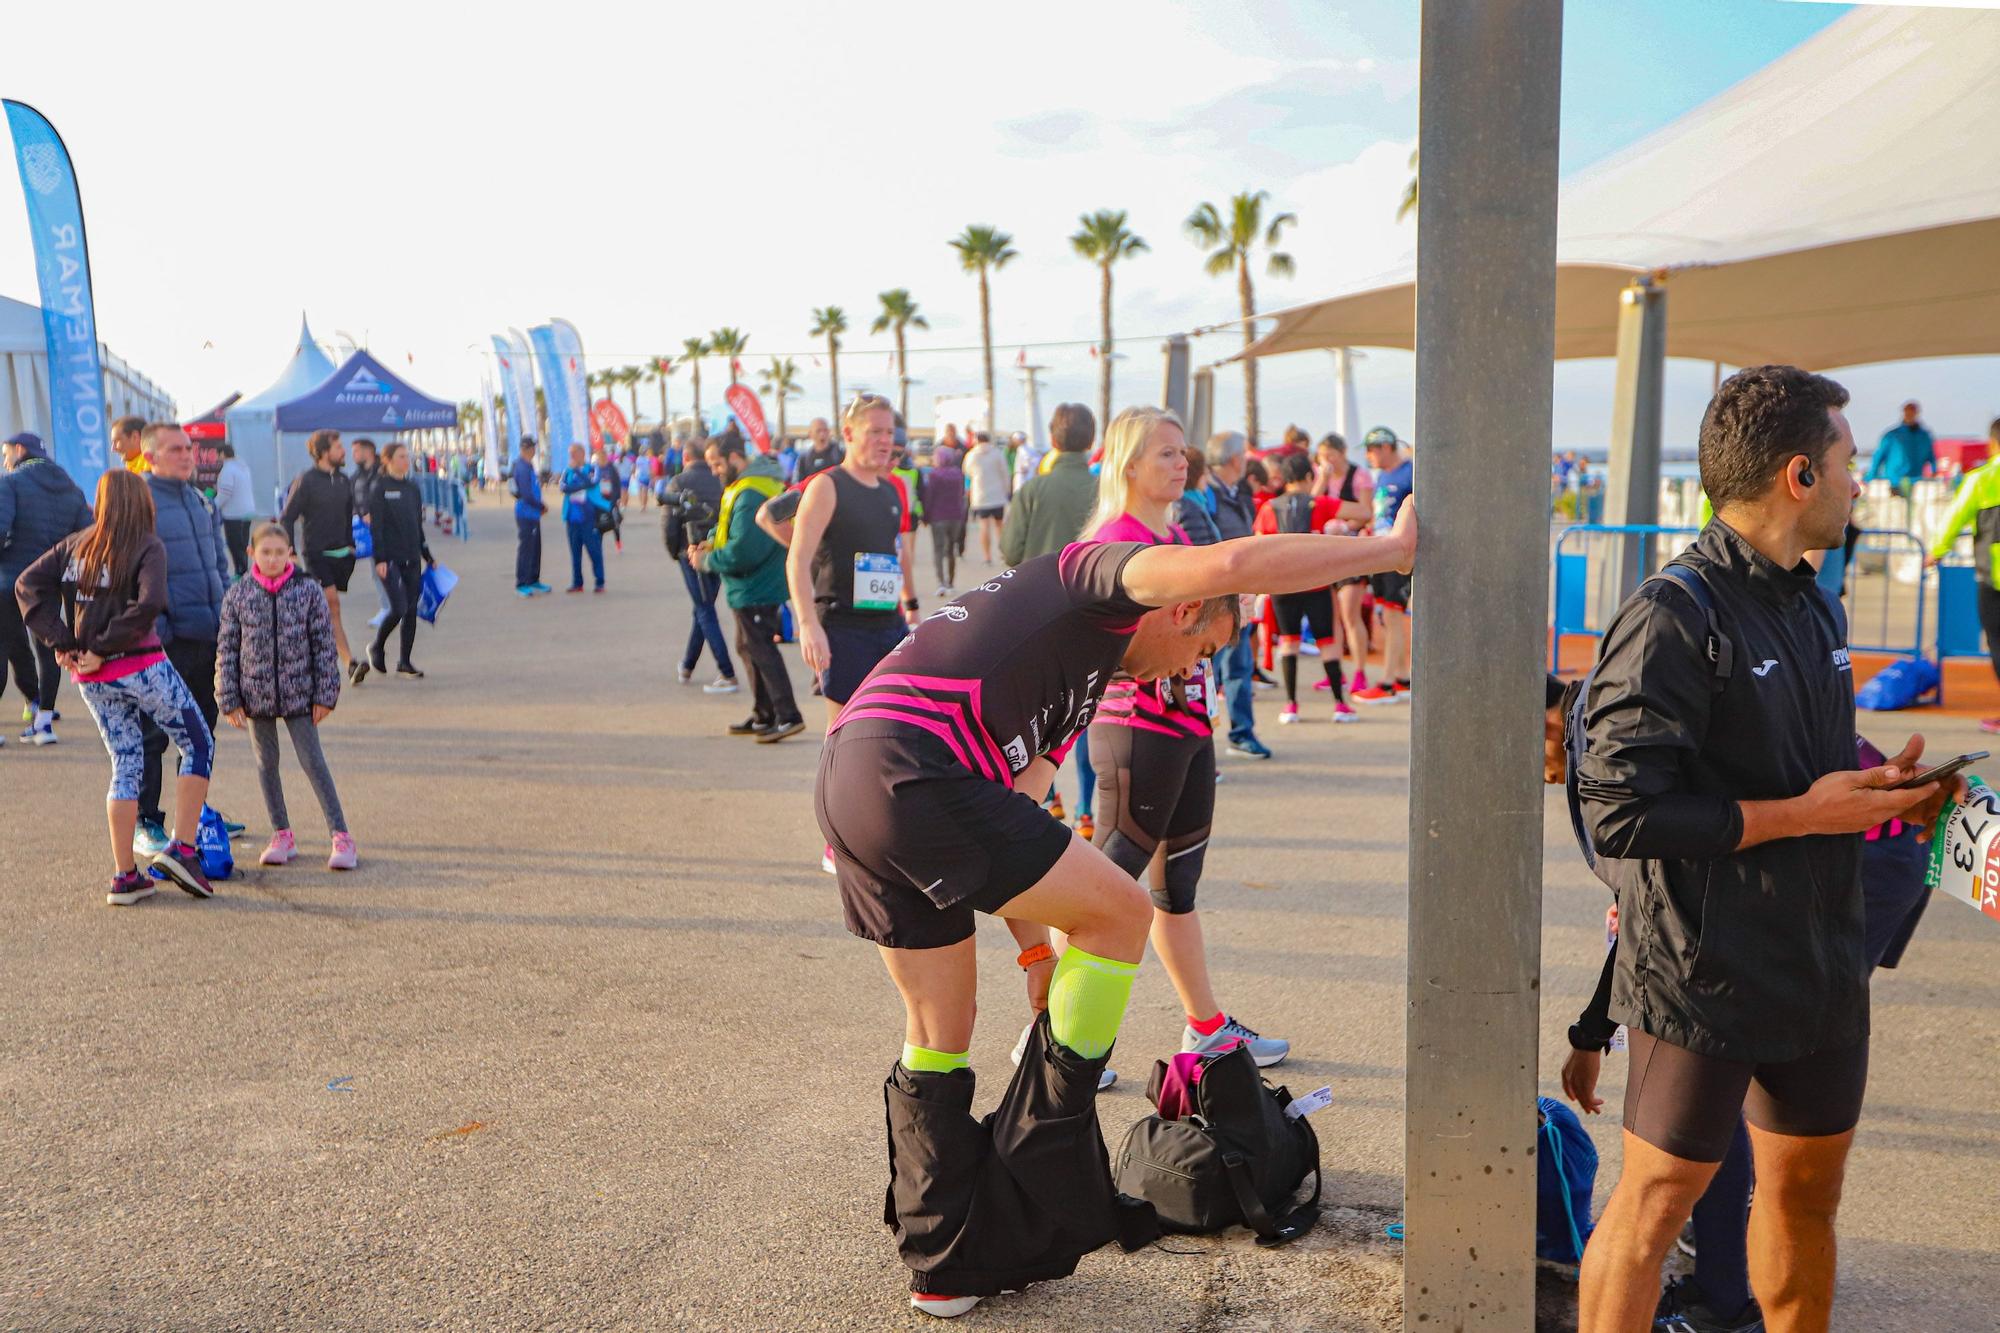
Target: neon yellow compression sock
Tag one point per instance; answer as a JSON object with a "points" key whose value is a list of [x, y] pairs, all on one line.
{"points": [[1087, 996], [922, 1060]]}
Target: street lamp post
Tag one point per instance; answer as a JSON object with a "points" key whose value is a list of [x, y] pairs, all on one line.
{"points": [[1486, 249]]}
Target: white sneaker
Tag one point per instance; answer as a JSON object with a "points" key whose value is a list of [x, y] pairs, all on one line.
{"points": [[1266, 1051], [375, 621], [44, 734], [721, 685], [1104, 1079], [683, 674], [943, 1307]]}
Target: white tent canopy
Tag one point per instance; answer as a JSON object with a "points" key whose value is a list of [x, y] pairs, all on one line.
{"points": [[24, 377], [1840, 206], [253, 422]]}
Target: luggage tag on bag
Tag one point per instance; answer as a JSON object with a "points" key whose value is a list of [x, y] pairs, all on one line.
{"points": [[1312, 1101]]}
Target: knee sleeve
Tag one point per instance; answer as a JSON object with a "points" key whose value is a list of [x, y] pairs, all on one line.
{"points": [[1182, 876]]}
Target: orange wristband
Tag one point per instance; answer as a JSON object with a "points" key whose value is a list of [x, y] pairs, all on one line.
{"points": [[1040, 953]]}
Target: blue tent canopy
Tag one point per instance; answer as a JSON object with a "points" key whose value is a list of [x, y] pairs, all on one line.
{"points": [[363, 395]]}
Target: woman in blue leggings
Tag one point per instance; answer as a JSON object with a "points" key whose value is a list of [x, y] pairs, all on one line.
{"points": [[114, 575]]}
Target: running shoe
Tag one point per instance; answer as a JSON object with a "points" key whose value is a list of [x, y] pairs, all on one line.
{"points": [[1289, 716], [27, 712], [541, 587], [777, 731], [1056, 811], [1684, 1308], [280, 849], [1385, 693], [378, 660], [524, 591], [357, 671], [683, 674], [1343, 711], [826, 860], [1359, 680], [1322, 684], [574, 587], [376, 620], [749, 726], [1086, 828], [129, 888], [942, 1307], [600, 587], [1266, 1051], [721, 685], [408, 669], [342, 857], [229, 826], [182, 864], [1262, 681], [1685, 1241], [1991, 726], [1249, 748], [1105, 1079], [44, 734], [149, 838]]}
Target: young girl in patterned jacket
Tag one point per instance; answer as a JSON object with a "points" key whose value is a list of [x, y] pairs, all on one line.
{"points": [[275, 659]]}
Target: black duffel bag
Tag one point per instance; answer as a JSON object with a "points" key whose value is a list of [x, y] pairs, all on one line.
{"points": [[1235, 1158]]}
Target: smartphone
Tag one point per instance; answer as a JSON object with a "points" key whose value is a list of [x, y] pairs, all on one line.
{"points": [[1949, 768]]}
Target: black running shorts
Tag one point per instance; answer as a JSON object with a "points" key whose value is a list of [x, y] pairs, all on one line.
{"points": [[855, 650], [1296, 609], [1688, 1104], [1153, 789], [919, 842], [331, 571], [1391, 590]]}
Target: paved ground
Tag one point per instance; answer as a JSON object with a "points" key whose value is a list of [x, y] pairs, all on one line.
{"points": [[607, 1060]]}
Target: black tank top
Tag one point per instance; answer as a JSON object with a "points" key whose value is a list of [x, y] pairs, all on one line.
{"points": [[1294, 512], [867, 520]]}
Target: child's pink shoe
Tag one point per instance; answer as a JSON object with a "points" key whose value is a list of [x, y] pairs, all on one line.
{"points": [[343, 857], [280, 849]]}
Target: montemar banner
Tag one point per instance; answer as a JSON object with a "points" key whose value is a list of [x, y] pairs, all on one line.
{"points": [[69, 319], [751, 413], [570, 344], [564, 427], [517, 423], [521, 373]]}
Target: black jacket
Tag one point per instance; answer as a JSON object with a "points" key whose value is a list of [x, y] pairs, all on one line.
{"points": [[1754, 955], [325, 500], [396, 519], [111, 622], [683, 523], [363, 483], [39, 506]]}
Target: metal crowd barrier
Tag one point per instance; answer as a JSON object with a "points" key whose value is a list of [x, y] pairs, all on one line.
{"points": [[445, 498], [1886, 588]]}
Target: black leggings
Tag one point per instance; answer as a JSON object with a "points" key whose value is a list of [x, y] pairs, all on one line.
{"points": [[36, 674], [1155, 789], [1989, 620], [403, 586], [1688, 1104]]}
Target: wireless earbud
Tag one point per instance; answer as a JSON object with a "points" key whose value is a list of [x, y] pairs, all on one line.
{"points": [[1806, 477]]}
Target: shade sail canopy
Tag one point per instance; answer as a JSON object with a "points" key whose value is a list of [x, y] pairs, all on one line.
{"points": [[364, 395], [1840, 206]]}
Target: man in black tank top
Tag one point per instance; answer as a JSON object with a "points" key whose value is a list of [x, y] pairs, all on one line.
{"points": [[849, 566]]}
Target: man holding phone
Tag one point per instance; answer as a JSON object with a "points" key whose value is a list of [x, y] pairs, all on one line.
{"points": [[1740, 966]]}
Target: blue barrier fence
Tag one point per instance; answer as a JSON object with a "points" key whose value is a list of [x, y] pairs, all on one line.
{"points": [[445, 498]]}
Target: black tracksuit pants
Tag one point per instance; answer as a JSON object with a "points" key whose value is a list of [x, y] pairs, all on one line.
{"points": [[195, 660], [770, 684], [403, 586]]}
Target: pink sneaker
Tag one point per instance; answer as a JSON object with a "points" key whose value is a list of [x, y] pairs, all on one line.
{"points": [[1358, 681], [1289, 715], [280, 849], [1344, 712], [343, 857]]}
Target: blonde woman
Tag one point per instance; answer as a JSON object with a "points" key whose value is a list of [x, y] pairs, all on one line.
{"points": [[1151, 743]]}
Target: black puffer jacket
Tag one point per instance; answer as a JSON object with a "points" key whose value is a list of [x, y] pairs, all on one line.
{"points": [[39, 506]]}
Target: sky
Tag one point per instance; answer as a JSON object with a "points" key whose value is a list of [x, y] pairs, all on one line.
{"points": [[419, 177]]}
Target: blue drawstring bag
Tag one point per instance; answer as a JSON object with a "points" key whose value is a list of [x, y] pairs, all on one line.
{"points": [[438, 583], [1565, 1176], [1899, 685], [363, 539], [212, 842]]}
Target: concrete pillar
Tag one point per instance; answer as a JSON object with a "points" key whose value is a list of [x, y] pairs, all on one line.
{"points": [[1038, 428], [1201, 407], [1174, 391], [1632, 479], [1486, 246]]}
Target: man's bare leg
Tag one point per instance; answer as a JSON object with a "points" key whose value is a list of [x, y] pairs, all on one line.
{"points": [[339, 633], [1792, 1246], [1620, 1285]]}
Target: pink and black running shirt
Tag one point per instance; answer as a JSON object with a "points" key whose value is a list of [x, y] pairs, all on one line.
{"points": [[1014, 668], [1168, 707]]}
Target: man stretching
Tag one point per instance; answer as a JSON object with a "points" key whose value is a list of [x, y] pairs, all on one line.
{"points": [[929, 793]]}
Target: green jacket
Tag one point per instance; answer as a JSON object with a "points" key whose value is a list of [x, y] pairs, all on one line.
{"points": [[752, 566], [1049, 512], [1978, 504]]}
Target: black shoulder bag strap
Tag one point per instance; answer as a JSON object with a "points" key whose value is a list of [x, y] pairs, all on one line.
{"points": [[1255, 1216], [1721, 652]]}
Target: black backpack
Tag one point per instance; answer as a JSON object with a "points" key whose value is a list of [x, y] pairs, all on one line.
{"points": [[1722, 659], [1237, 1158]]}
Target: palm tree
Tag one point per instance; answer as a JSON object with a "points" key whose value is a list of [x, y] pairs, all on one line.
{"points": [[692, 351], [1102, 239], [898, 313], [781, 381], [1232, 239], [729, 342], [542, 418], [830, 322], [628, 378], [980, 249], [1409, 204], [659, 371]]}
